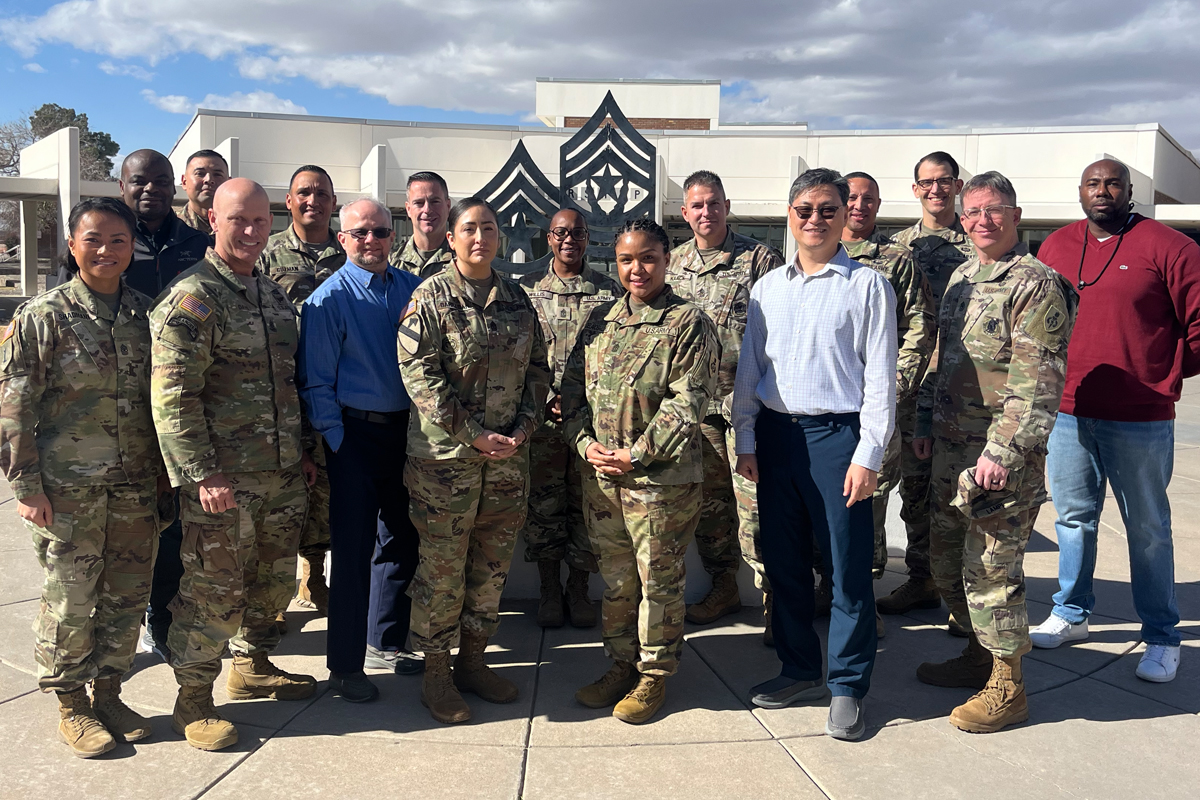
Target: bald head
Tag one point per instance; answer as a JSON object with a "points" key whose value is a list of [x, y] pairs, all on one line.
{"points": [[1107, 165], [241, 222], [1105, 192], [147, 186]]}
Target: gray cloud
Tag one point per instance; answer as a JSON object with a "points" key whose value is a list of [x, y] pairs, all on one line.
{"points": [[855, 63]]}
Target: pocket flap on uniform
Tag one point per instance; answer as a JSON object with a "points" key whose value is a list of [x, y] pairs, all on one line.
{"points": [[60, 530]]}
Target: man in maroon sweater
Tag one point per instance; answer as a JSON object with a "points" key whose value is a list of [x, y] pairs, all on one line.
{"points": [[1137, 336]]}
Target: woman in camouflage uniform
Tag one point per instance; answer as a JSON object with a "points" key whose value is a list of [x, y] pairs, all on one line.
{"points": [[648, 366], [473, 360], [78, 446]]}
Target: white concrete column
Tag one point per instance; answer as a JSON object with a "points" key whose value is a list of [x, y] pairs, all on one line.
{"points": [[231, 150], [68, 180], [29, 248], [56, 157], [798, 167], [373, 179], [660, 186]]}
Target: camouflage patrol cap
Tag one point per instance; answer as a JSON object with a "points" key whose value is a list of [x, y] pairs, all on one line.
{"points": [[975, 502]]}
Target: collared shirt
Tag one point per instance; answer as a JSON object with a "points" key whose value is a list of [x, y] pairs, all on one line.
{"points": [[348, 346], [820, 344]]}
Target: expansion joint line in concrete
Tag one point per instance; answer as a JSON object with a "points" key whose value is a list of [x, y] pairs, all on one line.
{"points": [[537, 674]]}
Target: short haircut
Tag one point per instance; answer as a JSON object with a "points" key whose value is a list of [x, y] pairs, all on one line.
{"points": [[1125, 173], [648, 227], [428, 177], [465, 205], [819, 177], [994, 181], [149, 156], [569, 210], [97, 205], [941, 158], [706, 178], [371, 201], [310, 168], [861, 176], [207, 154]]}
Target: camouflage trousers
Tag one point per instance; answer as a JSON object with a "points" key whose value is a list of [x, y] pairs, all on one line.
{"points": [[239, 571], [555, 529], [978, 564], [729, 512], [97, 560], [641, 534], [314, 538], [913, 475], [467, 512]]}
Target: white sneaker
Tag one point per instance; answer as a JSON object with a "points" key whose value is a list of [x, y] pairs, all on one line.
{"points": [[1159, 663], [1056, 630]]}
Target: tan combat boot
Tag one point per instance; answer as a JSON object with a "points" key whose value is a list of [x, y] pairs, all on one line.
{"points": [[550, 604], [281, 623], [722, 599], [913, 593], [971, 670], [78, 726], [255, 676], [1000, 704], [438, 694], [314, 591], [768, 631], [641, 704], [612, 686], [579, 605], [122, 721], [197, 720], [472, 675]]}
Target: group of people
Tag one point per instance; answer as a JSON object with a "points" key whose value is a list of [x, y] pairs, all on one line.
{"points": [[198, 403]]}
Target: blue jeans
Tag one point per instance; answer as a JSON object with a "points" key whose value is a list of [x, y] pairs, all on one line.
{"points": [[1137, 458]]}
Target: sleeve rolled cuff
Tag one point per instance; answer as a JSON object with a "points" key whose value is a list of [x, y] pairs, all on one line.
{"points": [[469, 432], [193, 472], [27, 486], [1005, 456], [867, 455], [638, 452]]}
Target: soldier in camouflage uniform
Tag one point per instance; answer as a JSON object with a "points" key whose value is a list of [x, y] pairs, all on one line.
{"points": [[715, 271], [916, 325], [563, 295], [300, 258], [473, 360], [78, 447], [939, 245], [1004, 326], [427, 203], [223, 394], [203, 173], [635, 390]]}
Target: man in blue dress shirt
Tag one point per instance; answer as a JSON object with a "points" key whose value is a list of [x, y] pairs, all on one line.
{"points": [[351, 388], [814, 404]]}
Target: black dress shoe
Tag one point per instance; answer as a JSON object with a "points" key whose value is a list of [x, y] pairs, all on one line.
{"points": [[400, 662], [354, 687]]}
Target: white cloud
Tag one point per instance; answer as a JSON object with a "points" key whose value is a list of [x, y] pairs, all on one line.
{"points": [[34, 67], [854, 63], [126, 70], [238, 101]]}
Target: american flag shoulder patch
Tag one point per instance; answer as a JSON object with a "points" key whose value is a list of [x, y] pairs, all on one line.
{"points": [[408, 309], [8, 332], [194, 306]]}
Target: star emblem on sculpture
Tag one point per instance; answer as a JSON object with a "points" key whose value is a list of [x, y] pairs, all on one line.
{"points": [[520, 236], [606, 183]]}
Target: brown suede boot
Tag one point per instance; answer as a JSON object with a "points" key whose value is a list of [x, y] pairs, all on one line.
{"points": [[971, 670], [913, 593], [197, 720], [122, 722], [722, 599], [314, 591], [579, 606], [641, 704], [612, 686], [550, 605], [768, 632], [1000, 704], [438, 694], [255, 676], [78, 726], [472, 675]]}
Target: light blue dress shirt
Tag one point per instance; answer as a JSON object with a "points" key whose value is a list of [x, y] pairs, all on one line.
{"points": [[820, 344], [347, 355]]}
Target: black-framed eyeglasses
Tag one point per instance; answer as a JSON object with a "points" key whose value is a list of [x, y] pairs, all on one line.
{"points": [[359, 234], [578, 234], [993, 213], [943, 183], [826, 212]]}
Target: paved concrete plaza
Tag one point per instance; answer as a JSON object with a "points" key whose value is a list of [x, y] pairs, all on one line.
{"points": [[1095, 730]]}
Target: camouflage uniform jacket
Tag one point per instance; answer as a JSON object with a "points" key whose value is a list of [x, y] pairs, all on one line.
{"points": [[642, 379], [75, 392], [197, 221], [722, 290], [223, 381], [916, 314], [938, 253], [287, 262], [470, 369], [404, 256], [1003, 334]]}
